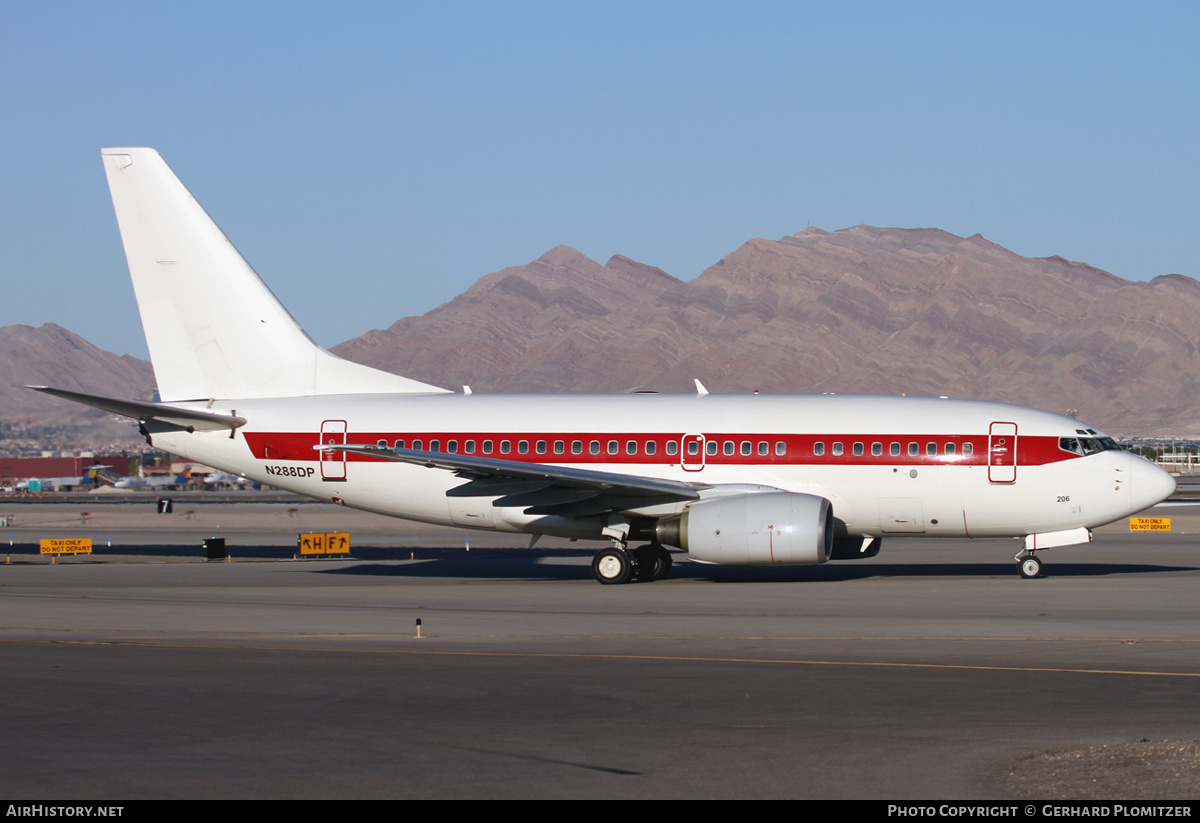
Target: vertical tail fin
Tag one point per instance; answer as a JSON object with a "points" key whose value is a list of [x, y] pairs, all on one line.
{"points": [[213, 327]]}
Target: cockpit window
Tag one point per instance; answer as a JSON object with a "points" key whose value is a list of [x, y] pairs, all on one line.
{"points": [[1070, 444], [1087, 445]]}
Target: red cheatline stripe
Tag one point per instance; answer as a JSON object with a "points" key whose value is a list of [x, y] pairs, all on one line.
{"points": [[799, 449]]}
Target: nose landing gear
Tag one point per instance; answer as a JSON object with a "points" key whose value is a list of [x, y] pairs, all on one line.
{"points": [[1028, 566]]}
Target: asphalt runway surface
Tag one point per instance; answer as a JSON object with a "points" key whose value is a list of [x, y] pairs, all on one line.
{"points": [[926, 672]]}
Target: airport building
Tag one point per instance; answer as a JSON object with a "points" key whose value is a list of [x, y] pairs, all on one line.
{"points": [[15, 469]]}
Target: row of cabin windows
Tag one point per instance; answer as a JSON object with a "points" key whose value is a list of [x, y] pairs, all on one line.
{"points": [[632, 447], [914, 449], [729, 447]]}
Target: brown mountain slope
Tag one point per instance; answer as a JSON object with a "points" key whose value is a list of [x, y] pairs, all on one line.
{"points": [[560, 323], [859, 310], [51, 355]]}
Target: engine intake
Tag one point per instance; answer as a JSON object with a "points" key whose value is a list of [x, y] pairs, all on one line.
{"points": [[768, 529]]}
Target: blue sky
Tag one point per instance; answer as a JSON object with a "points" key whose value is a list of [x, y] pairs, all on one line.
{"points": [[372, 160]]}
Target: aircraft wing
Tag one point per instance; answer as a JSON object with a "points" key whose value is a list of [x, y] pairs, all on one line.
{"points": [[537, 487], [143, 410]]}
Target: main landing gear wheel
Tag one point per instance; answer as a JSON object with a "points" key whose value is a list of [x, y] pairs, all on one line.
{"points": [[1030, 567], [653, 562], [612, 567]]}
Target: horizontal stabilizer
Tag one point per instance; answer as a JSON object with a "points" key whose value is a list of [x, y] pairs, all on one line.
{"points": [[143, 410]]}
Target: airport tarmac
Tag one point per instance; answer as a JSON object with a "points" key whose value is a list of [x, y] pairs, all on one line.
{"points": [[927, 672]]}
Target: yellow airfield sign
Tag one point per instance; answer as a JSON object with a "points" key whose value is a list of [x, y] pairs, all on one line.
{"points": [[1149, 524], [324, 543], [67, 545]]}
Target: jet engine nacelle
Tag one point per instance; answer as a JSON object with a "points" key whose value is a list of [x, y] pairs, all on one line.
{"points": [[768, 529]]}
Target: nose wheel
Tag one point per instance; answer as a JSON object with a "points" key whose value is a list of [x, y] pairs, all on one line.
{"points": [[1028, 566]]}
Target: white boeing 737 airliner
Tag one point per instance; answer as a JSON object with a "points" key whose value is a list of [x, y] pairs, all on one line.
{"points": [[750, 480]]}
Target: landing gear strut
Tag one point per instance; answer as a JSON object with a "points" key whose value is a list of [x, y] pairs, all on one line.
{"points": [[1028, 565], [616, 565]]}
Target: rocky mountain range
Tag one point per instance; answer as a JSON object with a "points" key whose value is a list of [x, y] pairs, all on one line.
{"points": [[865, 309], [50, 355]]}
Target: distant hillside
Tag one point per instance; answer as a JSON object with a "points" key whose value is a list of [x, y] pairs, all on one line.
{"points": [[51, 355], [865, 309]]}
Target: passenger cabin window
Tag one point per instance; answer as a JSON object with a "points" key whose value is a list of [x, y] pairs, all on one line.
{"points": [[837, 448], [523, 447], [559, 447], [895, 449], [417, 445], [711, 447], [540, 447], [631, 447], [693, 447], [858, 449], [613, 447], [818, 449], [950, 449], [651, 447], [576, 447], [763, 448], [470, 447], [381, 444], [487, 446], [931, 449], [728, 447], [452, 446], [780, 448], [505, 446], [594, 447], [914, 449], [968, 449], [435, 445], [876, 449], [399, 444], [745, 447], [672, 447]]}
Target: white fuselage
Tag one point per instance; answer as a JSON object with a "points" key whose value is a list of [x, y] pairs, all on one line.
{"points": [[963, 467]]}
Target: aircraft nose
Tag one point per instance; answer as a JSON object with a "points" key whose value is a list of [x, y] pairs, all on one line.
{"points": [[1149, 485]]}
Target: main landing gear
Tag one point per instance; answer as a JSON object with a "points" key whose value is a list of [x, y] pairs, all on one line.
{"points": [[617, 565], [1028, 566]]}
